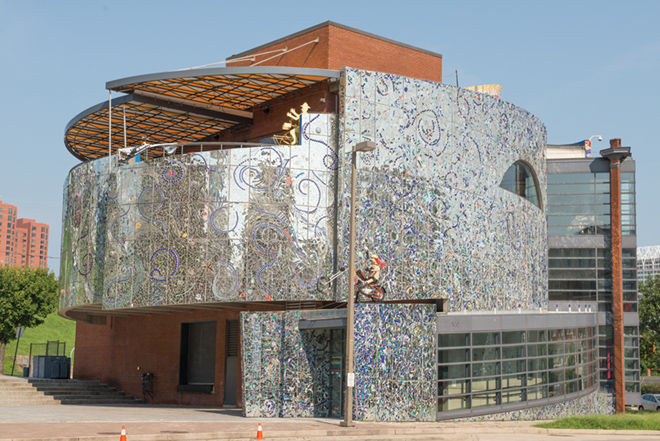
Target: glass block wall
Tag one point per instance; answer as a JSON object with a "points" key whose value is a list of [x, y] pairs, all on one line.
{"points": [[497, 370]]}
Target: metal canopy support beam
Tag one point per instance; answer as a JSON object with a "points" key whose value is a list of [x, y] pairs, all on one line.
{"points": [[190, 109]]}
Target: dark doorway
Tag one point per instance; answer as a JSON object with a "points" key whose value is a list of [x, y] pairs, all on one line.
{"points": [[324, 349], [197, 361], [337, 367], [231, 362]]}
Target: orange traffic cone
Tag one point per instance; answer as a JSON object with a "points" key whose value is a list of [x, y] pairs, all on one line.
{"points": [[123, 434], [260, 434]]}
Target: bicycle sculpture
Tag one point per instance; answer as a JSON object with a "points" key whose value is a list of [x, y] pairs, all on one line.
{"points": [[367, 285]]}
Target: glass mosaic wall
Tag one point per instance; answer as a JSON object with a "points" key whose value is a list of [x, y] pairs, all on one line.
{"points": [[286, 372], [592, 404], [259, 223], [430, 204], [236, 225], [395, 362]]}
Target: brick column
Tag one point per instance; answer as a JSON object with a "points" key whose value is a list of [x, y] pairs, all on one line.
{"points": [[616, 154]]}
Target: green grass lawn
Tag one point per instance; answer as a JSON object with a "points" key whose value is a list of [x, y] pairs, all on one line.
{"points": [[631, 420], [54, 328]]}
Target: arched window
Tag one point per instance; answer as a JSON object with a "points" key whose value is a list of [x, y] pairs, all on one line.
{"points": [[521, 180]]}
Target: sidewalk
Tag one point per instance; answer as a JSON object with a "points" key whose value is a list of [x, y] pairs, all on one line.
{"points": [[155, 423]]}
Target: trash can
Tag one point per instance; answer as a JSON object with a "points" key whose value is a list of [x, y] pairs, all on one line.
{"points": [[26, 371]]}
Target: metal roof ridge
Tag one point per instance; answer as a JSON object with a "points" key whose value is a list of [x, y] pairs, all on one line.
{"points": [[220, 71]]}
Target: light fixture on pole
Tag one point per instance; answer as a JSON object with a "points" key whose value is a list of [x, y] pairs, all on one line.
{"points": [[365, 146]]}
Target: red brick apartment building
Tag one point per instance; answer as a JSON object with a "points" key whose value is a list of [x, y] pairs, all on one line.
{"points": [[23, 242]]}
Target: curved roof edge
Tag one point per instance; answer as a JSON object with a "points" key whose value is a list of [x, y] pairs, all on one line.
{"points": [[117, 85]]}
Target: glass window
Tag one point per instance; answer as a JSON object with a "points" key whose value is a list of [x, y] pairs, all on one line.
{"points": [[485, 369], [537, 378], [555, 362], [513, 396], [537, 364], [629, 330], [571, 374], [574, 199], [513, 337], [537, 393], [536, 336], [513, 366], [572, 274], [574, 209], [556, 376], [452, 340], [570, 178], [556, 334], [513, 352], [453, 356], [514, 381], [603, 188], [484, 354], [454, 403], [485, 338], [455, 387], [520, 179], [602, 177], [485, 384], [453, 371], [631, 375], [489, 399], [571, 188], [630, 342], [537, 350], [628, 198], [572, 263]]}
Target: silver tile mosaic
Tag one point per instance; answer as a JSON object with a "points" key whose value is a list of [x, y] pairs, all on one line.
{"points": [[235, 225], [286, 371], [429, 199], [594, 404]]}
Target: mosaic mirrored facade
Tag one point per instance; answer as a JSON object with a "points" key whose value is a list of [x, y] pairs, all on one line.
{"points": [[267, 222], [259, 223], [429, 201], [236, 225], [287, 372]]}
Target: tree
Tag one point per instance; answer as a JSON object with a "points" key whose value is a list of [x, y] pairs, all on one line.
{"points": [[27, 296], [649, 324]]}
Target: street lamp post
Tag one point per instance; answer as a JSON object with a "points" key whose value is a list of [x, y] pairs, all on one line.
{"points": [[365, 146]]}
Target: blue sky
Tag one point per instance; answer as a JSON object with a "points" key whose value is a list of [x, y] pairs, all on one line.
{"points": [[583, 67]]}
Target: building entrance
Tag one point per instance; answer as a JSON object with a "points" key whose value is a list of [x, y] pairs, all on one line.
{"points": [[326, 351]]}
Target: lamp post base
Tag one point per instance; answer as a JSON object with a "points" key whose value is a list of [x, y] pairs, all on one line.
{"points": [[347, 423]]}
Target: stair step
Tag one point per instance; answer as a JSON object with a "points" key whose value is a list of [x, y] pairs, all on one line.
{"points": [[73, 387], [81, 392], [27, 391], [83, 401]]}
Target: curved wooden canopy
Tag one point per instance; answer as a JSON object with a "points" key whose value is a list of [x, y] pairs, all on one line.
{"points": [[181, 106]]}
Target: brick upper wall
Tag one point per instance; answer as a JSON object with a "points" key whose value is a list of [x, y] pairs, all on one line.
{"points": [[360, 51], [340, 46]]}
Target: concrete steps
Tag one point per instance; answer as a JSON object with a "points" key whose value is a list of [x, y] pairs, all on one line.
{"points": [[35, 391]]}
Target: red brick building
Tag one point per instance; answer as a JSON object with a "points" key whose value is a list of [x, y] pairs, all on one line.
{"points": [[23, 242]]}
